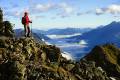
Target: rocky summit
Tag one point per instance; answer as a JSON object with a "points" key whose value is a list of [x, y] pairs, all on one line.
{"points": [[25, 59]]}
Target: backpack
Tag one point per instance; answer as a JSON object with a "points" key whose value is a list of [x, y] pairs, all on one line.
{"points": [[23, 20]]}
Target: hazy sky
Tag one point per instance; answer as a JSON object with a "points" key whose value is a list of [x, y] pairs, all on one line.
{"points": [[47, 14]]}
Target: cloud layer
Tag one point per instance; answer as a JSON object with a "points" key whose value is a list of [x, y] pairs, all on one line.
{"points": [[43, 7], [112, 9], [62, 9]]}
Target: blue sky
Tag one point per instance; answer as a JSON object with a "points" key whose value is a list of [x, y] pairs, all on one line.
{"points": [[47, 14]]}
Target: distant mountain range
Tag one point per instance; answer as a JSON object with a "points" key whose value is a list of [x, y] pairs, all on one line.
{"points": [[66, 31], [106, 34], [42, 34], [37, 34]]}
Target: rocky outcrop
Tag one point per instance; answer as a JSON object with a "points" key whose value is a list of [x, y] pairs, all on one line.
{"points": [[107, 57], [25, 59], [87, 70], [1, 16], [6, 28]]}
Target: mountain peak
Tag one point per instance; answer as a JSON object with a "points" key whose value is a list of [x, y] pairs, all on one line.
{"points": [[114, 23], [106, 56]]}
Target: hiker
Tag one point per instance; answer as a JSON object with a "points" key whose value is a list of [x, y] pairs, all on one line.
{"points": [[25, 22]]}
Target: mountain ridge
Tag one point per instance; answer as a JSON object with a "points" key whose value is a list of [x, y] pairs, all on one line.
{"points": [[108, 57], [67, 31], [107, 34], [37, 35], [28, 60]]}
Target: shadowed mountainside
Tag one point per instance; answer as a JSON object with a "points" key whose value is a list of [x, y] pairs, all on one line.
{"points": [[107, 57], [102, 35]]}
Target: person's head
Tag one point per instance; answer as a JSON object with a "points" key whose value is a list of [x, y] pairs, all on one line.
{"points": [[26, 13]]}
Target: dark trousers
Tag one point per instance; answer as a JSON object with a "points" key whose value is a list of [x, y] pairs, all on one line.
{"points": [[27, 30]]}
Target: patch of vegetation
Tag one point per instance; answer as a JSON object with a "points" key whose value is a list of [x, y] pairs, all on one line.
{"points": [[108, 57]]}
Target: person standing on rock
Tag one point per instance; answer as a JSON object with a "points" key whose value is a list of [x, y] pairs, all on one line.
{"points": [[25, 22]]}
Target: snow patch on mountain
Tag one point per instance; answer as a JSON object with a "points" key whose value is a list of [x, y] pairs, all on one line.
{"points": [[67, 56], [82, 42]]}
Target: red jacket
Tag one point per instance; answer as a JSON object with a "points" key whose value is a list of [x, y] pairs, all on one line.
{"points": [[27, 20]]}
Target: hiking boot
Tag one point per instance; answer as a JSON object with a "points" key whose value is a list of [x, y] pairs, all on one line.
{"points": [[25, 35], [28, 35]]}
